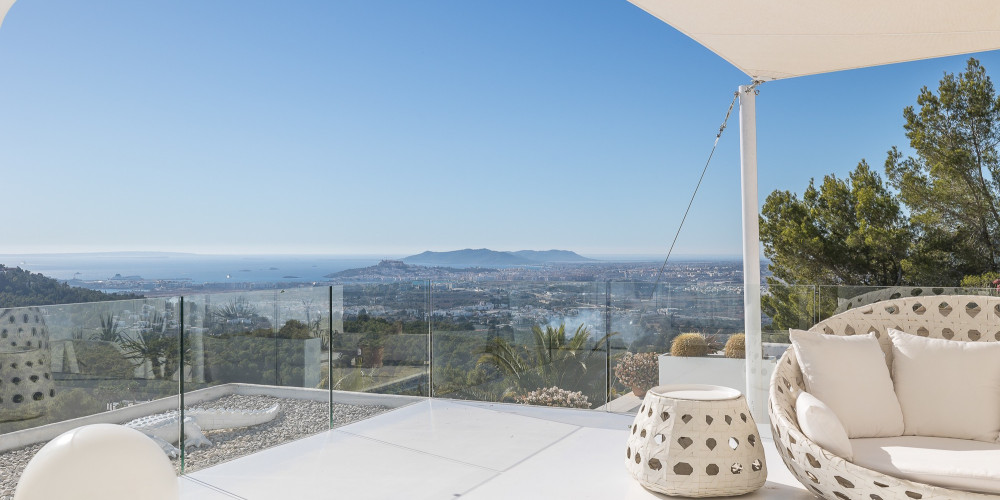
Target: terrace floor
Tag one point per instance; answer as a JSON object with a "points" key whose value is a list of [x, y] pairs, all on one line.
{"points": [[444, 449]]}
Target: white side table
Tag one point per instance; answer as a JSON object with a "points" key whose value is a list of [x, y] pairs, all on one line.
{"points": [[696, 441]]}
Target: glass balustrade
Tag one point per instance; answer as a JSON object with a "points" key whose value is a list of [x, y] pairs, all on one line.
{"points": [[382, 345], [254, 358], [540, 343], [63, 362], [276, 365]]}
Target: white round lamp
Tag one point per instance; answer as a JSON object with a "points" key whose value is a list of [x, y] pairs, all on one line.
{"points": [[105, 461]]}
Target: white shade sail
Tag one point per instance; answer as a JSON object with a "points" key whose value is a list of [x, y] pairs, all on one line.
{"points": [[774, 39], [4, 7]]}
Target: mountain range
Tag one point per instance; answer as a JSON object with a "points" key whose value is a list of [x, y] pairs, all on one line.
{"points": [[487, 257], [395, 270]]}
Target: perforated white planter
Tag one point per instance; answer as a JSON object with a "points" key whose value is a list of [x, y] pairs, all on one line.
{"points": [[695, 441], [26, 385]]}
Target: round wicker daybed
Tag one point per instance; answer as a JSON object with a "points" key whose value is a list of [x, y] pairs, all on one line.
{"points": [[958, 317]]}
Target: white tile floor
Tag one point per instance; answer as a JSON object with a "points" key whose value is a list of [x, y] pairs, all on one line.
{"points": [[441, 449]]}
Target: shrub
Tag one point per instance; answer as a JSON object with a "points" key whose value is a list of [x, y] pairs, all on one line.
{"points": [[736, 346], [294, 329], [554, 396], [985, 280], [74, 403], [102, 360], [638, 370], [251, 360], [689, 345]]}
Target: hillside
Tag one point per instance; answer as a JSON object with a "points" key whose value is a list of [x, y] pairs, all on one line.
{"points": [[552, 256], [24, 288], [394, 270], [468, 257], [487, 257]]}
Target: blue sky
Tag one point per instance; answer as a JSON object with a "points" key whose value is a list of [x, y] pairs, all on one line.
{"points": [[360, 127]]}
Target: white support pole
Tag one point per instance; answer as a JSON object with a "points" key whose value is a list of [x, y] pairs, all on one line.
{"points": [[756, 389]]}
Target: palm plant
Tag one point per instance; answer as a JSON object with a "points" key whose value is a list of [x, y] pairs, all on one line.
{"points": [[154, 343], [239, 308], [569, 362], [239, 315], [109, 331]]}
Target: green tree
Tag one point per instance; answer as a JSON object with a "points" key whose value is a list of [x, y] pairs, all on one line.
{"points": [[19, 287], [986, 280], [846, 232], [952, 185]]}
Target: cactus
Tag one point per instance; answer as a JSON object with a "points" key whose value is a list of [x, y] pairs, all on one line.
{"points": [[689, 345], [736, 346]]}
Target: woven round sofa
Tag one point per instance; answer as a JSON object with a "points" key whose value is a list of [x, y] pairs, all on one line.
{"points": [[971, 318]]}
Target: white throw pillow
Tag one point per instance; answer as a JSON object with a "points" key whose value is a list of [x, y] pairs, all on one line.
{"points": [[850, 375], [820, 424], [947, 388]]}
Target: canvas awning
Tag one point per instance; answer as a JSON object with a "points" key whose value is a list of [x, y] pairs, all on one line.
{"points": [[774, 39], [4, 7]]}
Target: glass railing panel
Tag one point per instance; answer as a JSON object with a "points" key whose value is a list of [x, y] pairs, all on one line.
{"points": [[540, 343], [383, 345], [65, 366], [255, 371], [788, 306], [642, 325], [232, 338], [699, 318], [69, 361], [563, 327], [783, 307], [465, 318]]}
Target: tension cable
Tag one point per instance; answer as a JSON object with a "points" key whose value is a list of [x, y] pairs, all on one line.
{"points": [[736, 95]]}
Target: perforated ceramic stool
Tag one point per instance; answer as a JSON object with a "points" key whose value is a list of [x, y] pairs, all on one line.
{"points": [[696, 441]]}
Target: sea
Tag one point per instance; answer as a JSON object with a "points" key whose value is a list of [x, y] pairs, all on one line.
{"points": [[196, 268], [206, 268]]}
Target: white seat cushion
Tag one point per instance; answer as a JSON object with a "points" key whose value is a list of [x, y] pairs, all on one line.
{"points": [[820, 424], [850, 375], [960, 464], [947, 388]]}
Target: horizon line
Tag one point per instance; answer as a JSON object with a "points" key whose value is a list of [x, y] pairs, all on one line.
{"points": [[636, 257]]}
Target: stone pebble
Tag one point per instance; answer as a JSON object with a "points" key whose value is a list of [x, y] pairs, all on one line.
{"points": [[297, 419]]}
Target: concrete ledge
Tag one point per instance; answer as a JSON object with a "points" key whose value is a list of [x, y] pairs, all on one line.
{"points": [[27, 437], [626, 403], [343, 397]]}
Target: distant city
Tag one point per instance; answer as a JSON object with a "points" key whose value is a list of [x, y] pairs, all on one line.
{"points": [[171, 274], [703, 274]]}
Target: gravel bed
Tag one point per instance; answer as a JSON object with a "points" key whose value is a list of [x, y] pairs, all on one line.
{"points": [[11, 465], [296, 420]]}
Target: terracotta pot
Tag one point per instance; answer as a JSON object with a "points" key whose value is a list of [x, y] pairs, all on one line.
{"points": [[639, 392]]}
